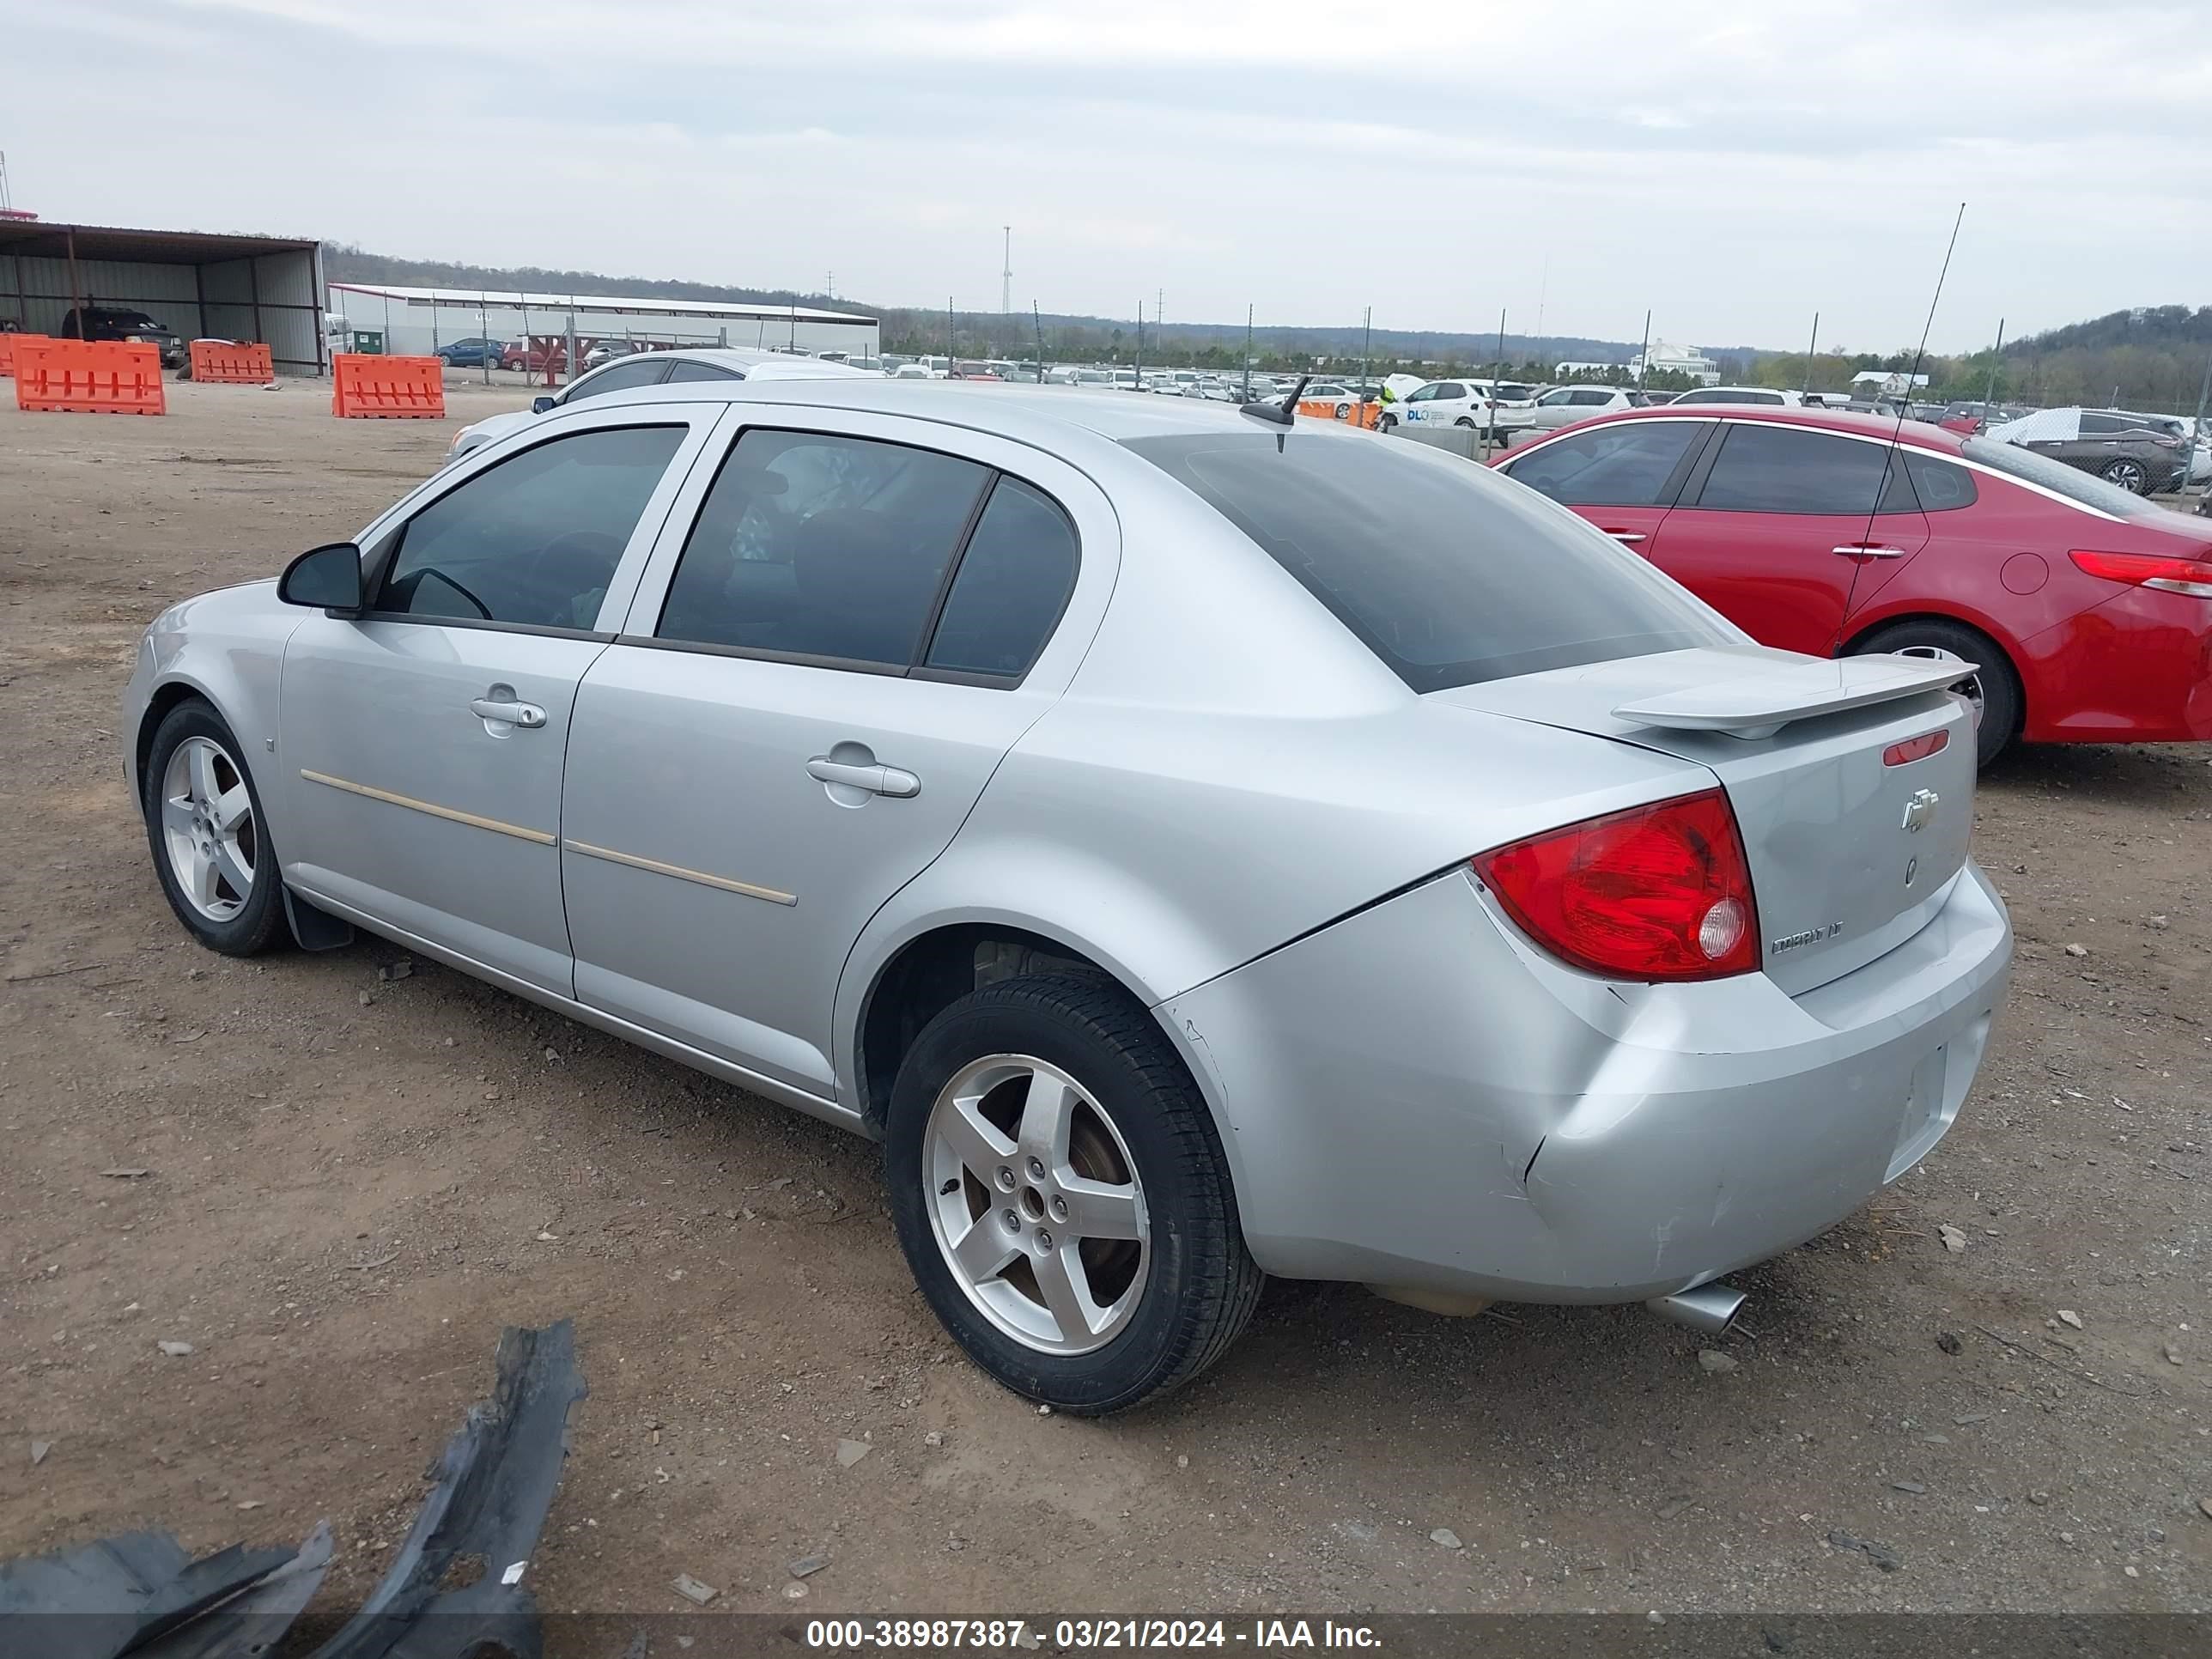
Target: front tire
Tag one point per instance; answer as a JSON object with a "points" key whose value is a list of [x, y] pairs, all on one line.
{"points": [[205, 827], [1060, 1193], [1993, 691]]}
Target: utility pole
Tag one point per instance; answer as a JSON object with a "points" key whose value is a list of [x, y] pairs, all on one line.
{"points": [[1989, 392], [1366, 336], [1248, 352], [1644, 353], [1006, 277], [1501, 343], [1543, 292], [1139, 386], [2203, 394], [949, 357], [1805, 384]]}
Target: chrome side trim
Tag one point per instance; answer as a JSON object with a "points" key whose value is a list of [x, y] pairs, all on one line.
{"points": [[783, 1094], [723, 884], [537, 837]]}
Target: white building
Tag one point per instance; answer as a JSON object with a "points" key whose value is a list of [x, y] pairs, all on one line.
{"points": [[1665, 359], [417, 321]]}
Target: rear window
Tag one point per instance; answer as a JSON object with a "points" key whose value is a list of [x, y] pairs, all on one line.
{"points": [[1447, 575], [2059, 478]]}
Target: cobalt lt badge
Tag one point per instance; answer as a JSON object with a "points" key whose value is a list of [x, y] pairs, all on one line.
{"points": [[1920, 810]]}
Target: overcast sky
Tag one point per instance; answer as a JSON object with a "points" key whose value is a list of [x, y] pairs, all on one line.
{"points": [[1733, 166]]}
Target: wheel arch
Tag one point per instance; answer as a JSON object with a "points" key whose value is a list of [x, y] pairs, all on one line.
{"points": [[2006, 657]]}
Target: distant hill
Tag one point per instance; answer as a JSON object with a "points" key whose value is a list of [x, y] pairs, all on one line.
{"points": [[1066, 334]]}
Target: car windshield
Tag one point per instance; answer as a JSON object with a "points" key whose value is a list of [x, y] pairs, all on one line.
{"points": [[1514, 389], [2069, 482], [1449, 575]]}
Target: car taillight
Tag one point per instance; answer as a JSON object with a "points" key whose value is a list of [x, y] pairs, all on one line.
{"points": [[1658, 892], [2189, 576]]}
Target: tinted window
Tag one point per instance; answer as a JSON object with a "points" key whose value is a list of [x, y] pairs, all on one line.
{"points": [[638, 371], [535, 539], [813, 545], [1941, 486], [1446, 574], [1013, 582], [686, 370], [1451, 390], [1513, 391], [1623, 465], [1591, 399], [1779, 469], [2060, 479]]}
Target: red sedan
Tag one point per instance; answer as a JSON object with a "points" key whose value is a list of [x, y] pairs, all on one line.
{"points": [[2089, 610]]}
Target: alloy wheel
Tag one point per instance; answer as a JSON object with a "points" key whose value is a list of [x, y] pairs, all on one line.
{"points": [[208, 827], [1969, 688], [2129, 475], [1033, 1201]]}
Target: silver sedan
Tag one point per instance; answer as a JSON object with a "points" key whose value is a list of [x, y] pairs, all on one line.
{"points": [[1199, 845]]}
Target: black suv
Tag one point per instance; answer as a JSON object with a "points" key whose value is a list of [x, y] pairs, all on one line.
{"points": [[116, 323]]}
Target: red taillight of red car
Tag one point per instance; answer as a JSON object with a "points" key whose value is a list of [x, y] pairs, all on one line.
{"points": [[1658, 892], [1914, 749], [2189, 576]]}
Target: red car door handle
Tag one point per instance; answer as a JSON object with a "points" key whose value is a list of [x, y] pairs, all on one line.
{"points": [[1868, 550]]}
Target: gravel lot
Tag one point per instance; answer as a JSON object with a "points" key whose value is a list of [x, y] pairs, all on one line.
{"points": [[350, 1184]]}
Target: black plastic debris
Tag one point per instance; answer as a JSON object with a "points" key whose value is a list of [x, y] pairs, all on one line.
{"points": [[140, 1595], [495, 1485], [127, 1594]]}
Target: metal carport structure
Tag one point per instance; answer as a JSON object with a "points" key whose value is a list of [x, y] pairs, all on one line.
{"points": [[266, 289]]}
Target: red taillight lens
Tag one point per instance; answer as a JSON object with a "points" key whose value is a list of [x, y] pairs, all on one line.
{"points": [[1659, 892], [2189, 576], [1913, 749]]}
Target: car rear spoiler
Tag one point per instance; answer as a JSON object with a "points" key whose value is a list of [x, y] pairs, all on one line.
{"points": [[1762, 700]]}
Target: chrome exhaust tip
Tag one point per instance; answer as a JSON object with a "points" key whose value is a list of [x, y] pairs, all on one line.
{"points": [[1708, 1310]]}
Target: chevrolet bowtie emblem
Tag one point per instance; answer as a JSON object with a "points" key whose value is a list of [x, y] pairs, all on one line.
{"points": [[1920, 809]]}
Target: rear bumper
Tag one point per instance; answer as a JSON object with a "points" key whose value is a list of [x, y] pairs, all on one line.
{"points": [[2135, 669], [1418, 1098]]}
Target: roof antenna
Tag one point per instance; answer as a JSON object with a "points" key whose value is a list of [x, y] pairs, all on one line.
{"points": [[1889, 460], [1284, 413]]}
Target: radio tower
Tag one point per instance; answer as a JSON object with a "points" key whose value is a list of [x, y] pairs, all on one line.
{"points": [[1006, 277]]}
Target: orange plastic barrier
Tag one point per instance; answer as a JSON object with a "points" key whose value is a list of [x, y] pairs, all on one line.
{"points": [[1350, 411], [387, 388], [8, 345], [232, 365], [89, 377]]}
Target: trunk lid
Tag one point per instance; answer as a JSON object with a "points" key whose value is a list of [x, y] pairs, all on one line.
{"points": [[1849, 855]]}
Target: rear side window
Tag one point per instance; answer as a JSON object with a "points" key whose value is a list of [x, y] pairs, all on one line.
{"points": [[1629, 464], [1447, 575], [687, 370], [819, 546], [623, 377], [1012, 583], [1941, 486], [1779, 469]]}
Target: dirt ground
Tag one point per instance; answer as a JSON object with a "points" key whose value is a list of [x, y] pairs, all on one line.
{"points": [[351, 1185]]}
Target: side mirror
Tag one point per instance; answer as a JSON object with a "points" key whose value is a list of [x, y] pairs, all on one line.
{"points": [[326, 578], [541, 405]]}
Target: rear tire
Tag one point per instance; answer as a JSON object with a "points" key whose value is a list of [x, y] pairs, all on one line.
{"points": [[2131, 476], [206, 830], [1995, 688], [1138, 1154]]}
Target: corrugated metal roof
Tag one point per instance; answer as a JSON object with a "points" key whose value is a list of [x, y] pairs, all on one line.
{"points": [[470, 299], [40, 238]]}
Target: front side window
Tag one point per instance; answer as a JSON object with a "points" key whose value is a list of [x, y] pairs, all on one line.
{"points": [[622, 377], [811, 544], [1447, 574], [1553, 399], [1629, 464], [1779, 469], [535, 540]]}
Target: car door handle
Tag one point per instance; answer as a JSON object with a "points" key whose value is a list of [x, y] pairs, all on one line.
{"points": [[528, 715], [876, 780], [1626, 535], [1865, 550]]}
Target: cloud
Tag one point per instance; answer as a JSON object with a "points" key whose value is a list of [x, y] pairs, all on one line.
{"points": [[1734, 169]]}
